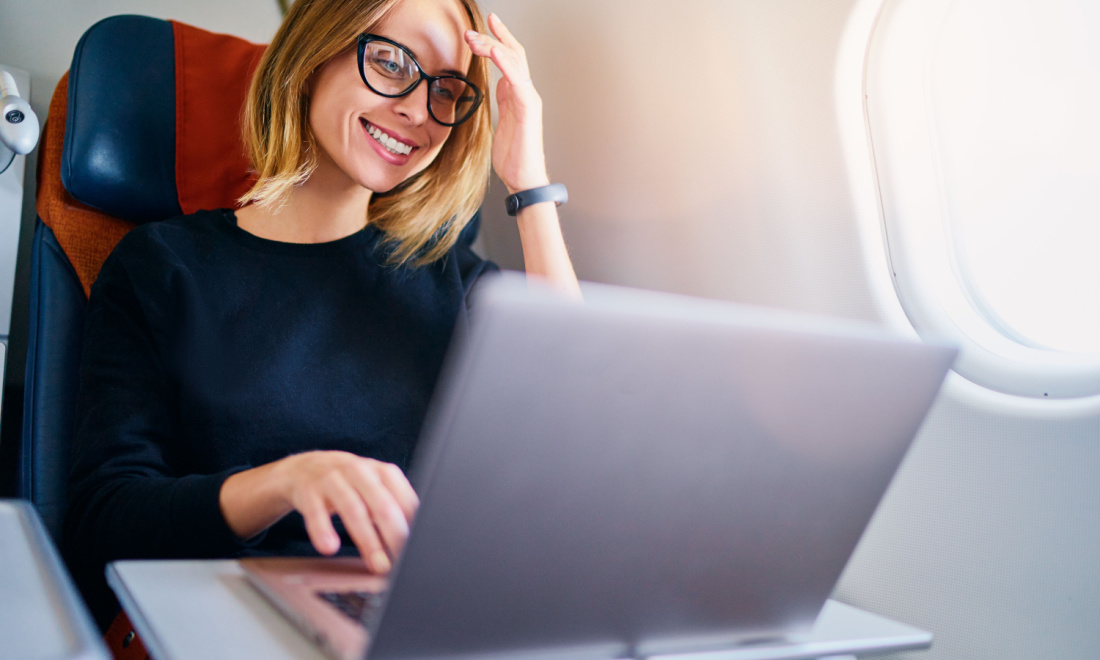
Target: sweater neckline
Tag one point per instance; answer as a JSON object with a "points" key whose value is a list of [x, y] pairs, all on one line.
{"points": [[366, 236]]}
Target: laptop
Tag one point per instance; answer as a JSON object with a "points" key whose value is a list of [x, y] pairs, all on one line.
{"points": [[41, 613], [637, 475]]}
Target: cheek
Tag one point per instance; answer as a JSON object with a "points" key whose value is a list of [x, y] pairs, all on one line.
{"points": [[440, 134], [323, 125], [439, 140], [331, 117]]}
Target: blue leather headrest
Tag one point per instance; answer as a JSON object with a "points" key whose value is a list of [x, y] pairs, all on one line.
{"points": [[119, 154]]}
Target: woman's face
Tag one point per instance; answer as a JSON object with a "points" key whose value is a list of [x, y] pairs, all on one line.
{"points": [[343, 112]]}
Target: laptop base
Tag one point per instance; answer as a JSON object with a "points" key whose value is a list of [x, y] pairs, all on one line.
{"points": [[206, 608]]}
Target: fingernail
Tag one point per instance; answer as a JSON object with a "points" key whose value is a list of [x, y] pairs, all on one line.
{"points": [[379, 562]]}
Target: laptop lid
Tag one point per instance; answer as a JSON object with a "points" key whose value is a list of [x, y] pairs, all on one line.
{"points": [[41, 613], [644, 474]]}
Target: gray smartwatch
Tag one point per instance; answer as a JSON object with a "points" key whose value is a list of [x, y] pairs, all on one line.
{"points": [[555, 192]]}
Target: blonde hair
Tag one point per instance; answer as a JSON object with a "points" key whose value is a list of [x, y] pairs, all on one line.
{"points": [[423, 216]]}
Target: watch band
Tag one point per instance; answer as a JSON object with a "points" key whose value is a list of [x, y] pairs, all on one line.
{"points": [[555, 192]]}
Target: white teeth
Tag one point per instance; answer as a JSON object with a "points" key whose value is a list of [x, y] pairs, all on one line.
{"points": [[391, 145]]}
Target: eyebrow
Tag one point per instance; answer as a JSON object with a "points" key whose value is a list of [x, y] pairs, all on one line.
{"points": [[416, 58]]}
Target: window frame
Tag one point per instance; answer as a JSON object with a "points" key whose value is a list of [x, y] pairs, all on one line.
{"points": [[883, 98]]}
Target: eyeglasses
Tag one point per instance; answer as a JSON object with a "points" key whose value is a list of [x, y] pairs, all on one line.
{"points": [[389, 69]]}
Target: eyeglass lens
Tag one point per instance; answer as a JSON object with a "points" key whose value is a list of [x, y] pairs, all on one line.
{"points": [[389, 70]]}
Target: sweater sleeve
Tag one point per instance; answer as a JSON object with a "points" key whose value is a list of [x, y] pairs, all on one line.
{"points": [[126, 497]]}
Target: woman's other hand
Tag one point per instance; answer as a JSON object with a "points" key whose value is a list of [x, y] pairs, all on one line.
{"points": [[519, 159], [518, 156], [373, 499]]}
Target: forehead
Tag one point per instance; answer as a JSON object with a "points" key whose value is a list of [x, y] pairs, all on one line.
{"points": [[432, 30]]}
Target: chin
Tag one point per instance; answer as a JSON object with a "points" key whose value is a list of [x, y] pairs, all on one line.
{"points": [[380, 189], [378, 183], [383, 185]]}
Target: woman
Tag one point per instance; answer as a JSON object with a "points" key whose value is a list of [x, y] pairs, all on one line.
{"points": [[243, 366]]}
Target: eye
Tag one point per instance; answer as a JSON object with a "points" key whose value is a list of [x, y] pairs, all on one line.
{"points": [[449, 90], [443, 94], [387, 67]]}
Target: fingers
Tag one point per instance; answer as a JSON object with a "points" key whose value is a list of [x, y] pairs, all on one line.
{"points": [[386, 516], [501, 32], [482, 45], [395, 481], [318, 521], [348, 503], [513, 71], [373, 499], [505, 51]]}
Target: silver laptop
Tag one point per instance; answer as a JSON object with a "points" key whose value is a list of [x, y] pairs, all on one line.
{"points": [[640, 474]]}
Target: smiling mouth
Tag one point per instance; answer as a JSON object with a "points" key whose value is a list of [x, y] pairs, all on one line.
{"points": [[390, 144]]}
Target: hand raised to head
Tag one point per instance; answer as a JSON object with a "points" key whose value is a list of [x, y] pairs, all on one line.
{"points": [[518, 156]]}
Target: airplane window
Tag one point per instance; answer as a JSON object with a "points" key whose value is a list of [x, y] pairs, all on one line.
{"points": [[980, 116], [1015, 92]]}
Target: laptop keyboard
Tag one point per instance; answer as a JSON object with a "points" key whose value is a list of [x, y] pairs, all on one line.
{"points": [[358, 606]]}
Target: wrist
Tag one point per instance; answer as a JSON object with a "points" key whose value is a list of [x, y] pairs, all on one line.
{"points": [[279, 483], [527, 183], [515, 203], [252, 500]]}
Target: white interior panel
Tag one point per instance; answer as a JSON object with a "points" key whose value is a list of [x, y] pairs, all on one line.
{"points": [[11, 206]]}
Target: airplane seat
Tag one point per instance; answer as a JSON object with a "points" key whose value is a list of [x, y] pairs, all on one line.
{"points": [[144, 127]]}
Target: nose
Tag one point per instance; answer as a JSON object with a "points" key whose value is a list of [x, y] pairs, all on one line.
{"points": [[414, 106]]}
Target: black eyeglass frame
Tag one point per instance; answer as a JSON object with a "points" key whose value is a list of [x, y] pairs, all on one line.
{"points": [[366, 38]]}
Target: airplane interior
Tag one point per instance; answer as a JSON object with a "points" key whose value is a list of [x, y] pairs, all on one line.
{"points": [[927, 167]]}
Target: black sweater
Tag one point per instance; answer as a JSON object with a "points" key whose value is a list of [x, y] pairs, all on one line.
{"points": [[209, 350]]}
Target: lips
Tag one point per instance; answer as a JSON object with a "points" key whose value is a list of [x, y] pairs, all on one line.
{"points": [[390, 143]]}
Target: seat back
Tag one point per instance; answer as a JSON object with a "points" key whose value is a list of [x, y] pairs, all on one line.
{"points": [[145, 126]]}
